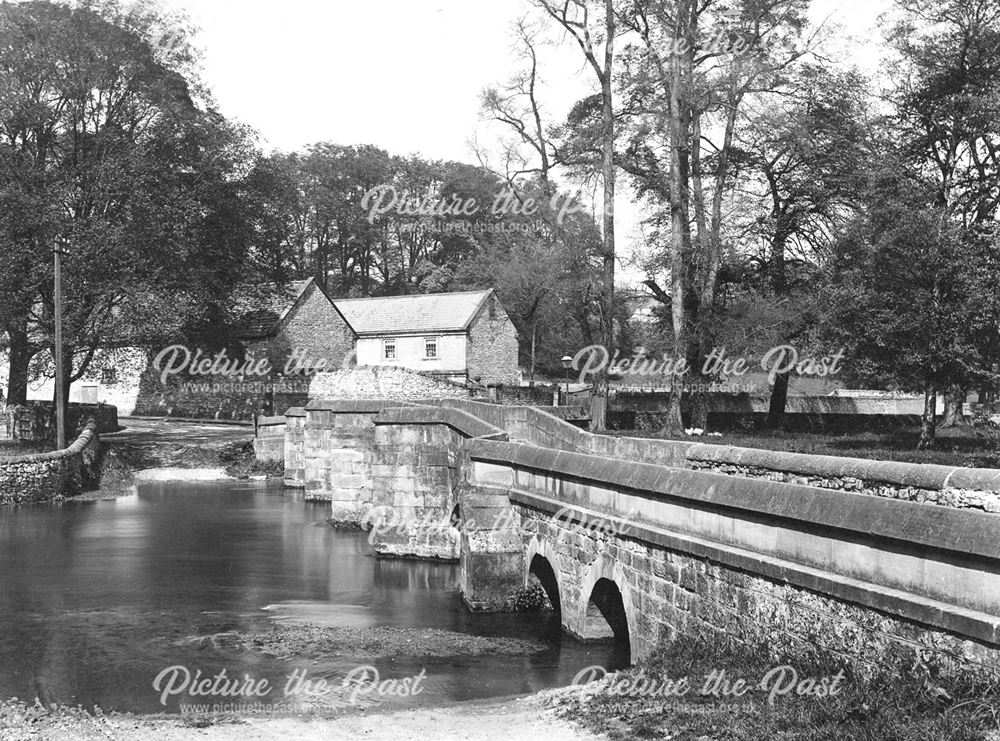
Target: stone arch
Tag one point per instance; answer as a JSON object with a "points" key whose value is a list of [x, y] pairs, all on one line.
{"points": [[543, 562], [606, 608]]}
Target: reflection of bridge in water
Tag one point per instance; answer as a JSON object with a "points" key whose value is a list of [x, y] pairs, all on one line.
{"points": [[645, 539]]}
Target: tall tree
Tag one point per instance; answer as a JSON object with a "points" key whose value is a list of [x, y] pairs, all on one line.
{"points": [[697, 66], [947, 99], [596, 40], [103, 140]]}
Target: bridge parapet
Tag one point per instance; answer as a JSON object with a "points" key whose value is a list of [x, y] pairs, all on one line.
{"points": [[973, 488], [689, 544]]}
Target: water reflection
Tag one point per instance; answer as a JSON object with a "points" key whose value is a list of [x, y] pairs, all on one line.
{"points": [[97, 598]]}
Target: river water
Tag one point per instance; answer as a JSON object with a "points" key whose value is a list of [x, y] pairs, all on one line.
{"points": [[98, 598]]}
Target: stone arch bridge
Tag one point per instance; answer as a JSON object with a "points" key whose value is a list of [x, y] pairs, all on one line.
{"points": [[641, 540]]}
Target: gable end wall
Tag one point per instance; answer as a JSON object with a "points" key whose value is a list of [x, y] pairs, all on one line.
{"points": [[491, 354]]}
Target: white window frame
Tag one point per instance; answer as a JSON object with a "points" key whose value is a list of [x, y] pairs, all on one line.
{"points": [[437, 347], [387, 345]]}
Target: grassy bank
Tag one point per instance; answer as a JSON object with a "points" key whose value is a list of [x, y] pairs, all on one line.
{"points": [[903, 697]]}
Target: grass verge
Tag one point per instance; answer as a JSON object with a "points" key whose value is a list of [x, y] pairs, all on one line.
{"points": [[906, 696]]}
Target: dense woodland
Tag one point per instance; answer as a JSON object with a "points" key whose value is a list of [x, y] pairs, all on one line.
{"points": [[789, 197]]}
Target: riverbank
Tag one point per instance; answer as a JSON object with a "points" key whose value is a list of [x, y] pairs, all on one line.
{"points": [[512, 719], [713, 688], [157, 450]]}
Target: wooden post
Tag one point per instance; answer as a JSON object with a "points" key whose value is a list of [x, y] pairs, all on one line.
{"points": [[60, 395]]}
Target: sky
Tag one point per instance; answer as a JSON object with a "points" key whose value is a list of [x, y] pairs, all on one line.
{"points": [[403, 74], [406, 75]]}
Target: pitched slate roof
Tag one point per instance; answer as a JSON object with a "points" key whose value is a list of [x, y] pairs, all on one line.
{"points": [[426, 312], [265, 309]]}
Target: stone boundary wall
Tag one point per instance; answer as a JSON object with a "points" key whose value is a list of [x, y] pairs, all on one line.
{"points": [[38, 418], [744, 403], [382, 382], [60, 473], [221, 398], [269, 441], [789, 550]]}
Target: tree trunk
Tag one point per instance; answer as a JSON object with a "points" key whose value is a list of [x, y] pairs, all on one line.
{"points": [[699, 409], [598, 412], [954, 400], [928, 422], [608, 176], [779, 399], [674, 423], [531, 365], [680, 64], [21, 353]]}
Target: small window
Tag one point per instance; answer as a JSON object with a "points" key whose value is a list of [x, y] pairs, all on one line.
{"points": [[389, 349], [430, 348], [109, 375]]}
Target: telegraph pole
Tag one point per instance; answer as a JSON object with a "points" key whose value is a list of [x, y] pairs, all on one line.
{"points": [[60, 397]]}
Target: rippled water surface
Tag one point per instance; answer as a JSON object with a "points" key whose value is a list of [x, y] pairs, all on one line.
{"points": [[98, 598]]}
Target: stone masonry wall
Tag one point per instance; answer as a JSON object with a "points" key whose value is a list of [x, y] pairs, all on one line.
{"points": [[294, 447], [220, 397], [414, 479], [668, 593], [338, 444], [46, 476], [382, 382], [491, 354], [313, 328], [269, 442]]}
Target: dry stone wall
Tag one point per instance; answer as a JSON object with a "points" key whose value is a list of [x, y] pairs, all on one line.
{"points": [[385, 382], [47, 476]]}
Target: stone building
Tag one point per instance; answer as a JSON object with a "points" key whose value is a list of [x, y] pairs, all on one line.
{"points": [[298, 330], [302, 321], [463, 336], [460, 337]]}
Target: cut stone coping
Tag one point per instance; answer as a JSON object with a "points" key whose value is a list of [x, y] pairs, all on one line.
{"points": [[270, 421], [462, 422], [76, 447], [969, 533], [296, 412], [918, 475]]}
